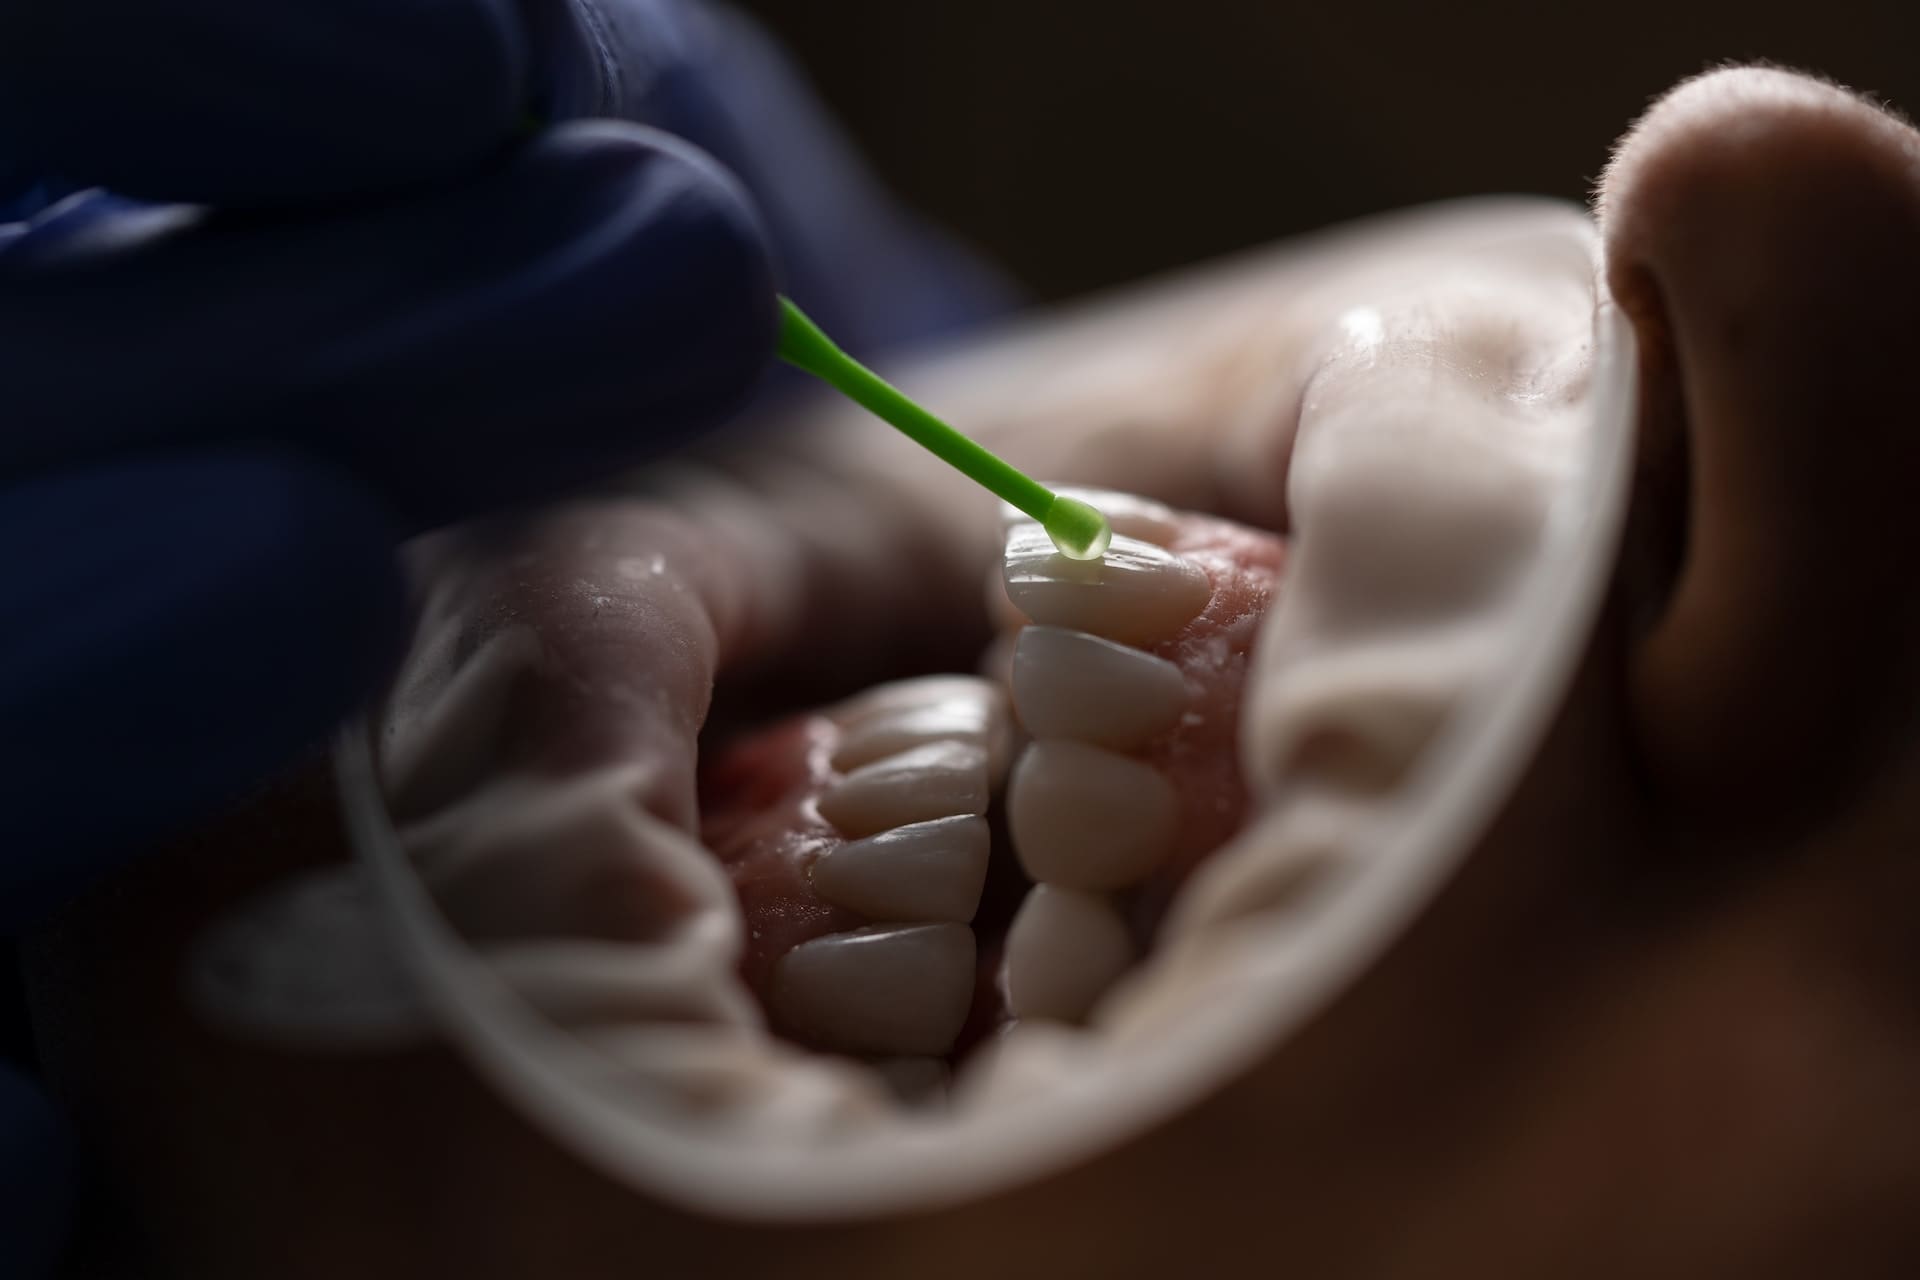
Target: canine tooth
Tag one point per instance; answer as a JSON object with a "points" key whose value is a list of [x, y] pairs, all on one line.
{"points": [[938, 780], [1085, 818], [1068, 684], [886, 989], [1136, 593], [1064, 949], [924, 871]]}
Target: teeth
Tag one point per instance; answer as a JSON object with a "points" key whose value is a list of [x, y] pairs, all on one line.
{"points": [[1085, 818], [1130, 514], [1064, 949], [1136, 594], [887, 989], [1067, 684], [935, 781], [926, 871], [923, 712]]}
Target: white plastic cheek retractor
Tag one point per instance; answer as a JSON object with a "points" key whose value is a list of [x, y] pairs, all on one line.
{"points": [[1382, 728]]}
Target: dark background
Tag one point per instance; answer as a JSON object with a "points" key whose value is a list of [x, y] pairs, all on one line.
{"points": [[1082, 143]]}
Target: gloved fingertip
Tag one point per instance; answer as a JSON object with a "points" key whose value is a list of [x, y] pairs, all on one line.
{"points": [[38, 1170], [240, 104], [186, 628], [627, 306]]}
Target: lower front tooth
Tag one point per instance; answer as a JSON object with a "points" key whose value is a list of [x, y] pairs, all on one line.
{"points": [[924, 871], [938, 780], [1064, 949], [1085, 818], [1068, 684], [888, 989]]}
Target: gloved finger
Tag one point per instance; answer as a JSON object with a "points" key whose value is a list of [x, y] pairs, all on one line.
{"points": [[170, 631], [868, 270], [37, 1170], [598, 300], [236, 103]]}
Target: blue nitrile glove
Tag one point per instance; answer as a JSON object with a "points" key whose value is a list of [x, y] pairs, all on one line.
{"points": [[338, 295]]}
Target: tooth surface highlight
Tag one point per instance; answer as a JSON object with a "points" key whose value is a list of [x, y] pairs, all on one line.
{"points": [[1085, 818], [970, 712], [935, 781], [1068, 684], [886, 989], [1136, 593], [924, 871], [1064, 949]]}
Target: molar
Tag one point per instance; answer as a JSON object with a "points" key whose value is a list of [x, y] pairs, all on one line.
{"points": [[1085, 818], [924, 871], [1136, 594], [938, 780], [1068, 684], [1064, 949], [893, 990]]}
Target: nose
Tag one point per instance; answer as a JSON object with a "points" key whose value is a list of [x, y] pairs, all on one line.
{"points": [[1762, 231]]}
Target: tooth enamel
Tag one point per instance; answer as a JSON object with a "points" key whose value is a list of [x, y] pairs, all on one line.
{"points": [[887, 989], [1085, 818], [973, 713], [1068, 684], [1136, 593], [938, 780], [1129, 514], [1064, 949], [925, 871]]}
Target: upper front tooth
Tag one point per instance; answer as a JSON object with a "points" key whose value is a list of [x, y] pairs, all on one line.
{"points": [[1086, 818], [945, 710], [1064, 949], [886, 989], [1067, 684], [934, 781], [1128, 513], [926, 871], [1136, 593]]}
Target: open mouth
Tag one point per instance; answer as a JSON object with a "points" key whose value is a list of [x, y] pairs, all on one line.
{"points": [[934, 860], [958, 931]]}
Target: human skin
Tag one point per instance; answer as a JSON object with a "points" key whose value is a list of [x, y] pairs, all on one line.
{"points": [[1660, 1024]]}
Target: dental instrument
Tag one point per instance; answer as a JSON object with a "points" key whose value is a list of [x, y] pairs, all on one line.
{"points": [[1078, 530]]}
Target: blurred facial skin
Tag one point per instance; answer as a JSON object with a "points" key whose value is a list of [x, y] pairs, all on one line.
{"points": [[1662, 1024]]}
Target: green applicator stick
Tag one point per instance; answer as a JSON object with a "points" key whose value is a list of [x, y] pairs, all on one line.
{"points": [[1079, 531]]}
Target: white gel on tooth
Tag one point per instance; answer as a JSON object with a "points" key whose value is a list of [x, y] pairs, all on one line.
{"points": [[1068, 684], [1064, 949], [886, 989], [1129, 514], [1135, 594], [1085, 818], [938, 780], [924, 871]]}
